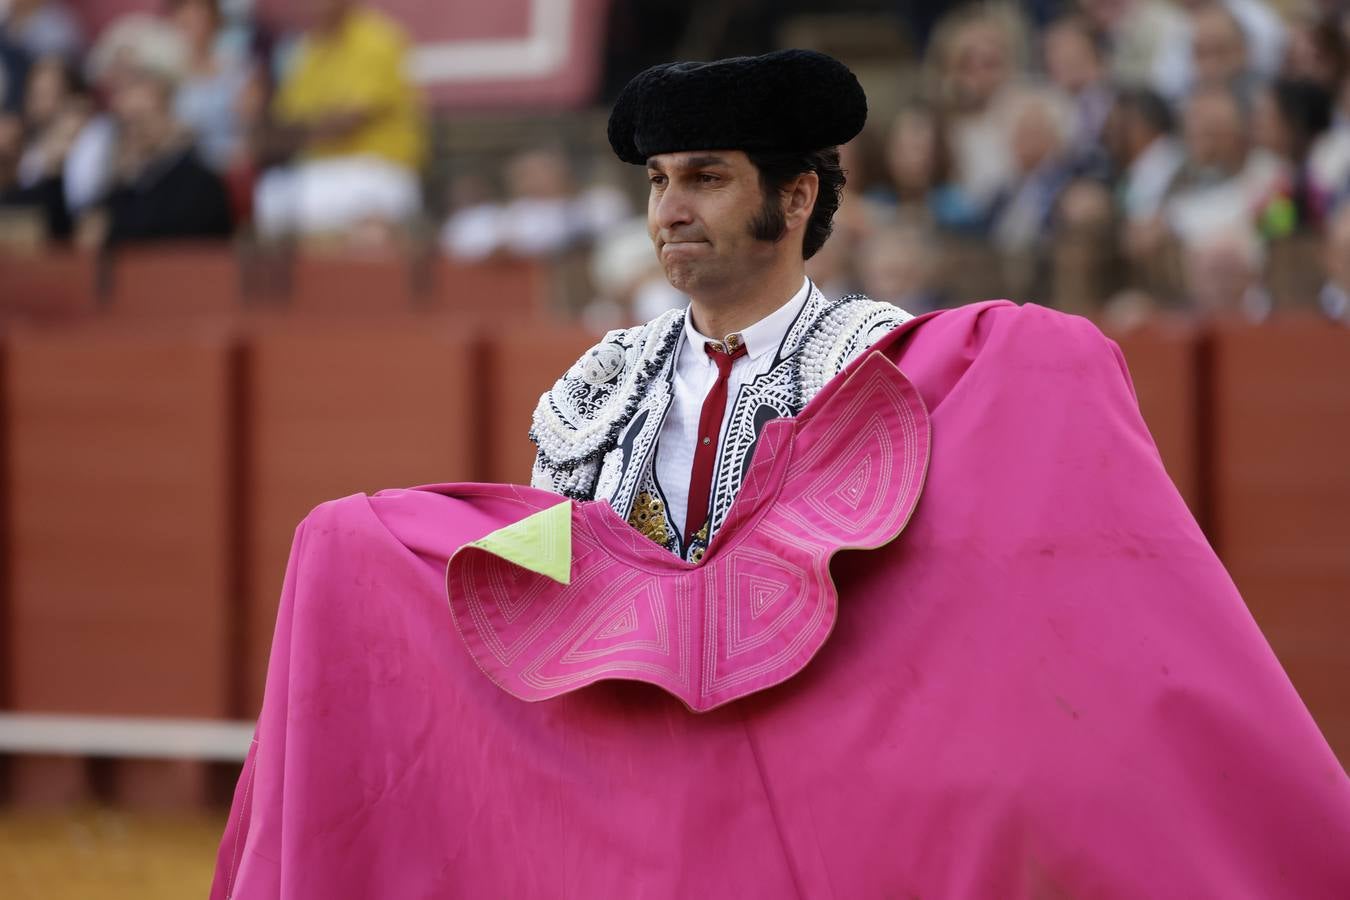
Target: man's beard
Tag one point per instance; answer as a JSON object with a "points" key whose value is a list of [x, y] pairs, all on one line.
{"points": [[770, 223]]}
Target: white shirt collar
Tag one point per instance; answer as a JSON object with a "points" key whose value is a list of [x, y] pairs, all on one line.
{"points": [[765, 335]]}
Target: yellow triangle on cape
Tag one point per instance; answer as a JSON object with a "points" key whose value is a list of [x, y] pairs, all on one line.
{"points": [[540, 542]]}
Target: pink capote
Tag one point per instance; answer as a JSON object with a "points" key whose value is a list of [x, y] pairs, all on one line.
{"points": [[1044, 685]]}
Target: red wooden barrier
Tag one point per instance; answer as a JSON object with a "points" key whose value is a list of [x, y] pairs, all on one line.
{"points": [[119, 545], [188, 280], [119, 511], [333, 285], [217, 279], [47, 286], [396, 284], [1281, 498], [1163, 367], [335, 411], [521, 365], [496, 291]]}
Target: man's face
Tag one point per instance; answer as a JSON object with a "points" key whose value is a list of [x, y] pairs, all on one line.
{"points": [[912, 151], [141, 103], [196, 21], [46, 91], [981, 63], [1218, 47], [1213, 127], [701, 215], [1070, 59], [1035, 137]]}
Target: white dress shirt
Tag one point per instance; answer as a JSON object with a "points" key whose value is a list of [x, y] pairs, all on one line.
{"points": [[694, 376]]}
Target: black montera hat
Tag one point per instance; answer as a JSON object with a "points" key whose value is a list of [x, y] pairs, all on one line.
{"points": [[789, 100]]}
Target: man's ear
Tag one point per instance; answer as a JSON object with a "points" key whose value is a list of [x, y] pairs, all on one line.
{"points": [[800, 199]]}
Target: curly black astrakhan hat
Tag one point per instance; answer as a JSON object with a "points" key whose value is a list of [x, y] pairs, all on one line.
{"points": [[788, 100]]}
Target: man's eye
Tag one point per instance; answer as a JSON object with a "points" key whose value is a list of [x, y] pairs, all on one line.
{"points": [[657, 180], [707, 177]]}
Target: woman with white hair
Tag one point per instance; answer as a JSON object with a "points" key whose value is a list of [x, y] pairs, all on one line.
{"points": [[154, 185], [134, 42], [1042, 125]]}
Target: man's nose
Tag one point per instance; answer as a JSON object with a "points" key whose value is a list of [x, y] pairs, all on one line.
{"points": [[670, 208]]}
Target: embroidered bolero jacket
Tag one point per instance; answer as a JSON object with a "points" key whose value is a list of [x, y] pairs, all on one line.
{"points": [[596, 429]]}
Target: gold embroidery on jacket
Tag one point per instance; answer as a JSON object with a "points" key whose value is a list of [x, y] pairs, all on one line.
{"points": [[649, 518], [699, 545]]}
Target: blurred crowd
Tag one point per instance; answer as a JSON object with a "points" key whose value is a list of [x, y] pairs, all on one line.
{"points": [[193, 123], [1116, 158], [1111, 157]]}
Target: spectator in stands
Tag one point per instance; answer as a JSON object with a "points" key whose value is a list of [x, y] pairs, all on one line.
{"points": [[1128, 310], [13, 73], [1226, 182], [1146, 41], [1334, 298], [208, 96], [1317, 51], [831, 267], [863, 203], [347, 124], [43, 28], [11, 150], [161, 189], [1042, 167], [978, 57], [1287, 117], [1224, 276], [1075, 65], [56, 107], [898, 264], [1145, 153], [133, 44], [1083, 259], [630, 284], [1219, 51], [545, 214], [919, 163], [1262, 33], [1329, 158], [55, 100], [472, 230]]}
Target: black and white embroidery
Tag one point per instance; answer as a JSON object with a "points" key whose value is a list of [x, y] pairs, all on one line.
{"points": [[577, 423], [829, 340], [597, 428]]}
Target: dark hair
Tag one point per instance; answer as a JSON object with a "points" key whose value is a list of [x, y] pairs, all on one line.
{"points": [[776, 171], [943, 162], [71, 74], [1329, 39], [1151, 108], [1080, 23], [1306, 108]]}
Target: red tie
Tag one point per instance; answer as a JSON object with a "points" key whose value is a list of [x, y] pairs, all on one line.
{"points": [[709, 429]]}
